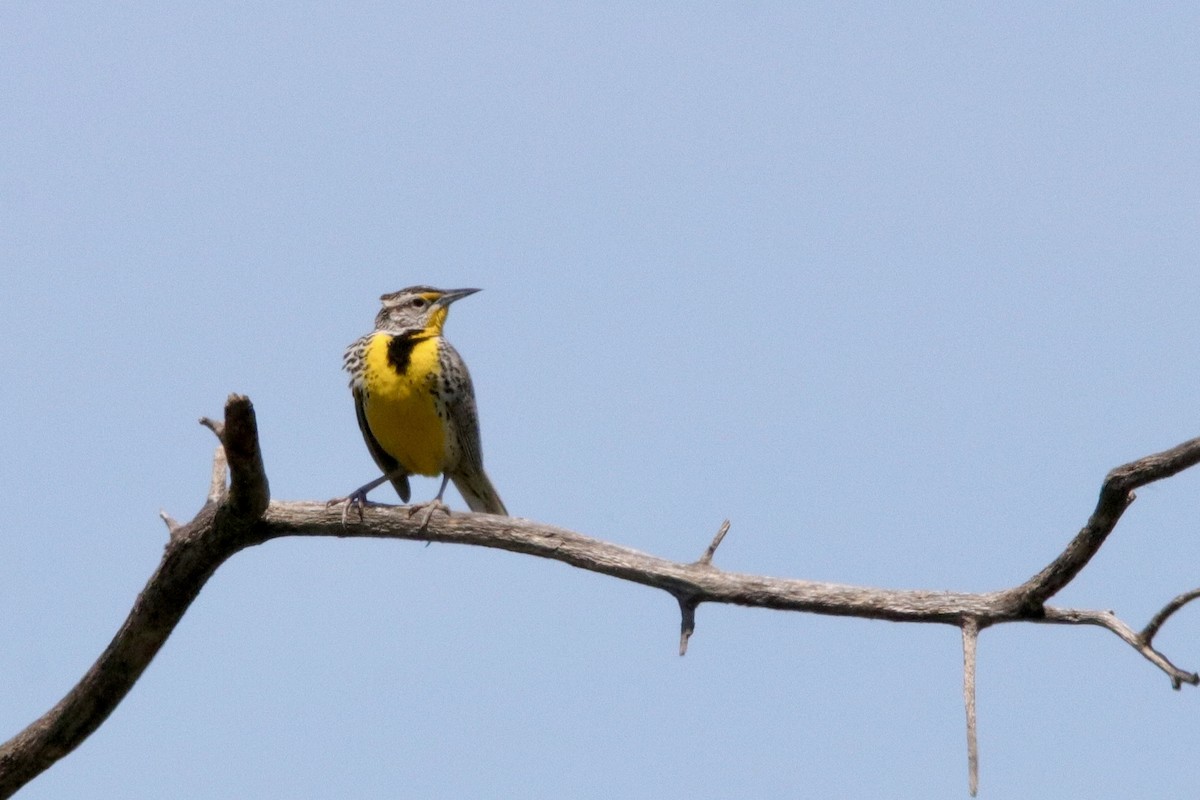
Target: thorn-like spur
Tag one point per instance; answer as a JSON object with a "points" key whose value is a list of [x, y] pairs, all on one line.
{"points": [[172, 525]]}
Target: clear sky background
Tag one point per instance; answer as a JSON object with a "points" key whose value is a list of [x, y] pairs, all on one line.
{"points": [[891, 286]]}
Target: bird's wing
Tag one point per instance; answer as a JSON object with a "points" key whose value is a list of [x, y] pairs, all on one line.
{"points": [[468, 475], [386, 463], [464, 417]]}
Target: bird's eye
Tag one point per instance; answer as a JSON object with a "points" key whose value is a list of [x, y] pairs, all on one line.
{"points": [[419, 302]]}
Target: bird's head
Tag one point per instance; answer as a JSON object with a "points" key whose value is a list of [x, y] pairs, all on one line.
{"points": [[417, 308]]}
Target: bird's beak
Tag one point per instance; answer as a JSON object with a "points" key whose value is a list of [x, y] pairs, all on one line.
{"points": [[450, 295]]}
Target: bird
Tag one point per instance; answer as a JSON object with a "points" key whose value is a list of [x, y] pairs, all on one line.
{"points": [[416, 404]]}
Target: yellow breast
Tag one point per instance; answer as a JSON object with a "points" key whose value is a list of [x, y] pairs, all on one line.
{"points": [[400, 407]]}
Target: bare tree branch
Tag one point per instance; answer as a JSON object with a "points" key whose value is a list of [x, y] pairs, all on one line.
{"points": [[243, 515], [1116, 494], [194, 552]]}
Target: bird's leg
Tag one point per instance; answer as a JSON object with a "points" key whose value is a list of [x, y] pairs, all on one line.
{"points": [[433, 505], [358, 498]]}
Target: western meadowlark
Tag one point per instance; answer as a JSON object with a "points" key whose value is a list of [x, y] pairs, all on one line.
{"points": [[416, 404]]}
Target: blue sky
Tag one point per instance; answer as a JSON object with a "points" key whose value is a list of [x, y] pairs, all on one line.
{"points": [[891, 287]]}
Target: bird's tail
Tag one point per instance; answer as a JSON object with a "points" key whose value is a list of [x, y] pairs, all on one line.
{"points": [[479, 493]]}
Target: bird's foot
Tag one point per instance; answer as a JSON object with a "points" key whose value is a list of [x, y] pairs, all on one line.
{"points": [[356, 499], [427, 510]]}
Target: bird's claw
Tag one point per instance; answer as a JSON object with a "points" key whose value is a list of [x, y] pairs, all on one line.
{"points": [[357, 499], [427, 511]]}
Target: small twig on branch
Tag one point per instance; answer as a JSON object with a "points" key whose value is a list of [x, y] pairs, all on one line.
{"points": [[970, 637], [1109, 620], [716, 542], [216, 426], [172, 525], [1151, 630], [216, 483], [687, 624]]}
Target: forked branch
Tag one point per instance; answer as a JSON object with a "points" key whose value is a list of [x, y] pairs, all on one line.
{"points": [[240, 515]]}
